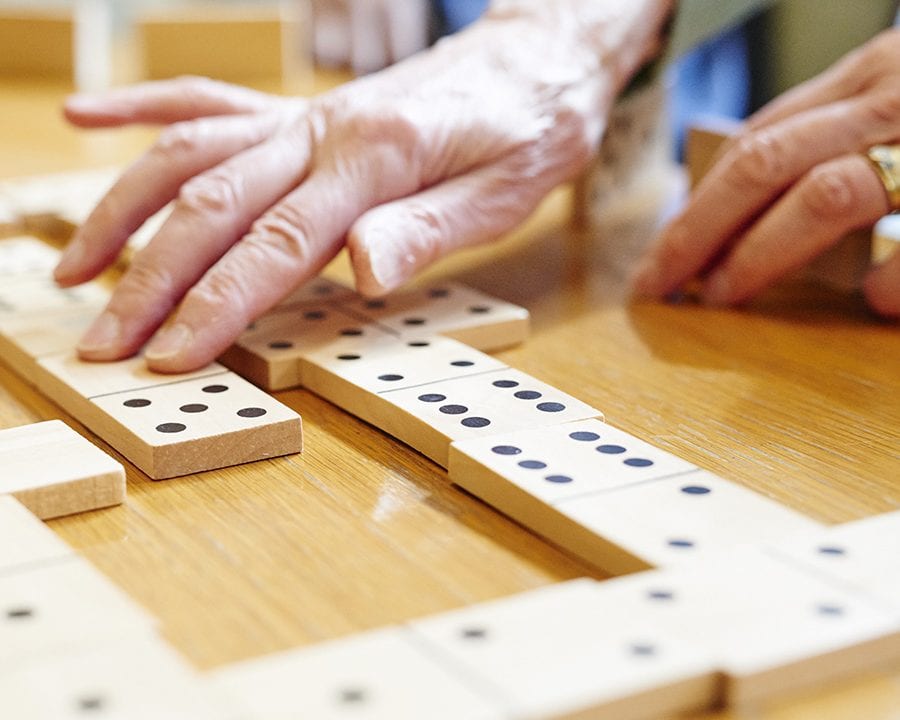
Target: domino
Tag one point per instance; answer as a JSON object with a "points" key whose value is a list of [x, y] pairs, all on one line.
{"points": [[134, 677], [172, 425], [33, 474], [61, 608], [612, 499], [378, 675], [429, 416], [863, 556], [269, 352], [9, 218], [772, 630], [25, 541], [449, 309], [567, 652]]}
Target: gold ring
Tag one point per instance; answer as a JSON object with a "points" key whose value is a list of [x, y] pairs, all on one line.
{"points": [[886, 161]]}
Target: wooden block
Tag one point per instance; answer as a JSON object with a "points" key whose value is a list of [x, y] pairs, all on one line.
{"points": [[24, 540], [38, 294], [429, 417], [703, 142], [317, 291], [29, 336], [269, 352], [62, 608], [885, 239], [678, 519], [170, 425], [863, 555], [54, 471], [772, 629], [380, 675], [451, 310], [10, 223], [37, 43], [565, 652], [26, 255], [136, 677], [238, 43]]}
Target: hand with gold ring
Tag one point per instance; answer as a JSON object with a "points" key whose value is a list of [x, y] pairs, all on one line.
{"points": [[802, 174]]}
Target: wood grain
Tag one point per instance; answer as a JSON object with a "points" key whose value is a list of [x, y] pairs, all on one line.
{"points": [[796, 397]]}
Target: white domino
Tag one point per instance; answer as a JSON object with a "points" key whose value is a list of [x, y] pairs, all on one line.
{"points": [[565, 651], [380, 675], [25, 542]]}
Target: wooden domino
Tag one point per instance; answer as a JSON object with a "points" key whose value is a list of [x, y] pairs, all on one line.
{"points": [[60, 608], [35, 476], [863, 555], [612, 499], [470, 395], [567, 652], [167, 425], [130, 677], [379, 675], [24, 540]]}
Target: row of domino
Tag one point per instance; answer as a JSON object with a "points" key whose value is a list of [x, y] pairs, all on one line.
{"points": [[740, 627]]}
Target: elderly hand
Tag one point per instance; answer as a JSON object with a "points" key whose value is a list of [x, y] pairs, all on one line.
{"points": [[368, 34], [790, 186], [449, 148]]}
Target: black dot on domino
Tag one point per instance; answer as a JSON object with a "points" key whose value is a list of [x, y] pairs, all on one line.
{"points": [[351, 332], [830, 610], [19, 613], [418, 343], [558, 479], [349, 356], [660, 595], [610, 449], [171, 427], [414, 321], [194, 408], [475, 422], [251, 412], [352, 696], [551, 407], [680, 543], [314, 315], [831, 550], [390, 377], [281, 345], [214, 388], [91, 703], [136, 403], [642, 649], [479, 309], [438, 292], [506, 450], [584, 436], [695, 490], [505, 383], [462, 363], [637, 462], [532, 464], [527, 394], [432, 397], [453, 409], [375, 304], [474, 633]]}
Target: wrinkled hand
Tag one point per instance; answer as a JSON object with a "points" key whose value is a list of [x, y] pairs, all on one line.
{"points": [[450, 148], [368, 34], [790, 186]]}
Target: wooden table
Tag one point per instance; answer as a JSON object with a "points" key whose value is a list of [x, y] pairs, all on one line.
{"points": [[797, 397]]}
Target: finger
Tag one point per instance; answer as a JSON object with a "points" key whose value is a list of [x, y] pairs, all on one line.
{"points": [[182, 151], [392, 242], [407, 25], [163, 102], [291, 243], [212, 212], [882, 287], [751, 174], [836, 197], [368, 36]]}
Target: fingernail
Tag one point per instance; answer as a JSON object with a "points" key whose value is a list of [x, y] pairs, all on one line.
{"points": [[70, 261], [388, 267], [717, 291], [168, 342], [104, 333]]}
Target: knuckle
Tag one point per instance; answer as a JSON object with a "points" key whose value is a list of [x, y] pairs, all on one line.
{"points": [[284, 231], [175, 141], [829, 191], [884, 107], [147, 279], [222, 296], [216, 191], [757, 159]]}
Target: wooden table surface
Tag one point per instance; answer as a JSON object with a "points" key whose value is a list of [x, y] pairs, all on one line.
{"points": [[797, 397]]}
